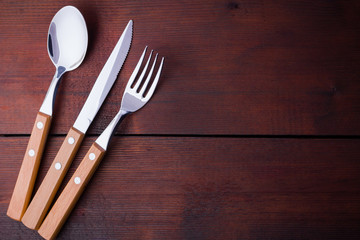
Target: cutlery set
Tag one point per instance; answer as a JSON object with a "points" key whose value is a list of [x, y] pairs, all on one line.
{"points": [[67, 44]]}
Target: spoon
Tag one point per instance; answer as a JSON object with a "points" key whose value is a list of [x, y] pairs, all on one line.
{"points": [[67, 44]]}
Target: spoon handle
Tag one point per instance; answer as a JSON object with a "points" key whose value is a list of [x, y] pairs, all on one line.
{"points": [[40, 204], [71, 193], [29, 167]]}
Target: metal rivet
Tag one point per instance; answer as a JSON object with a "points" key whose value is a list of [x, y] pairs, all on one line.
{"points": [[31, 152], [92, 156], [39, 125], [57, 166], [71, 140], [77, 180]]}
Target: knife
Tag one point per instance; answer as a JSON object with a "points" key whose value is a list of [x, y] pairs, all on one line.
{"points": [[45, 194]]}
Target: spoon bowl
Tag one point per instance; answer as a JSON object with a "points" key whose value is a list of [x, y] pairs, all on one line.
{"points": [[67, 38], [67, 45]]}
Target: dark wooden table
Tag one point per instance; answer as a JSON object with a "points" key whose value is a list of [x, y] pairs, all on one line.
{"points": [[253, 132]]}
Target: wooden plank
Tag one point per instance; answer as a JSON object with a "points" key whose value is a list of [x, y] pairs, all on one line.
{"points": [[206, 188], [249, 67]]}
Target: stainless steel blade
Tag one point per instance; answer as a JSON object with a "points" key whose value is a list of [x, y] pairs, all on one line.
{"points": [[105, 80]]}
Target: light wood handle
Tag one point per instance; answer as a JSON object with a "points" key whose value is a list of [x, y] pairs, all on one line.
{"points": [[29, 167], [49, 186], [71, 193]]}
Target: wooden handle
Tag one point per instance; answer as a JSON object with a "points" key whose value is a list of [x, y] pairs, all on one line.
{"points": [[71, 193], [49, 186], [29, 167]]}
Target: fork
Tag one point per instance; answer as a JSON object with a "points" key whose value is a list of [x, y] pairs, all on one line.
{"points": [[133, 99]]}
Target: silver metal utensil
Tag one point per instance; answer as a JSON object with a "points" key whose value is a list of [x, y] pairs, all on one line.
{"points": [[67, 44], [49, 186], [133, 99]]}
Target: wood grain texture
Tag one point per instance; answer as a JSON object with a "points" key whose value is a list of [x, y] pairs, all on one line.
{"points": [[232, 69], [30, 165], [246, 67], [44, 196], [66, 201], [206, 188]]}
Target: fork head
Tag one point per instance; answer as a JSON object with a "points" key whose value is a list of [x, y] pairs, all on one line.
{"points": [[135, 95]]}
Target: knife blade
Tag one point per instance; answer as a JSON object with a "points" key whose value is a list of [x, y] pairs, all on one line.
{"points": [[101, 87], [49, 186]]}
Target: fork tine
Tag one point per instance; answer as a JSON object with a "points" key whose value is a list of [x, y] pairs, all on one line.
{"points": [[143, 72], [156, 79], [148, 77], [136, 70]]}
